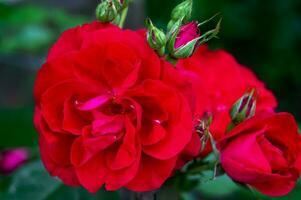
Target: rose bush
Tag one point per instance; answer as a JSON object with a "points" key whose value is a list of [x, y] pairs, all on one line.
{"points": [[264, 152], [220, 81], [108, 113]]}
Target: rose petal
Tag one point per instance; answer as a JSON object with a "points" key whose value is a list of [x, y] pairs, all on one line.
{"points": [[93, 173], [127, 152], [152, 174], [84, 148], [152, 133], [52, 102]]}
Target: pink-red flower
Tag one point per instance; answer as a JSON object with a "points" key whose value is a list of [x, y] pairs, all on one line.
{"points": [[264, 152], [219, 81], [106, 113], [187, 33], [12, 159]]}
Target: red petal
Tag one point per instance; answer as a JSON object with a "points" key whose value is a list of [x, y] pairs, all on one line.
{"points": [[51, 74], [127, 152], [151, 133], [92, 174], [191, 150], [108, 125], [71, 40], [179, 124], [65, 173], [52, 102], [118, 178], [152, 174], [56, 160], [238, 149], [84, 148], [74, 120]]}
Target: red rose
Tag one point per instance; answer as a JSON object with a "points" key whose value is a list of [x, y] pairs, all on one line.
{"points": [[105, 115], [219, 82], [264, 152]]}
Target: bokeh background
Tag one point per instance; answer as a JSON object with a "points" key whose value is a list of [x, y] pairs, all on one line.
{"points": [[264, 35]]}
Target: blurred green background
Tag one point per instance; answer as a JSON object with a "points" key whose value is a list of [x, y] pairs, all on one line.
{"points": [[264, 35]]}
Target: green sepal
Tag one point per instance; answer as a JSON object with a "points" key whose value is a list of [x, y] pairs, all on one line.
{"points": [[186, 50], [172, 35], [156, 38], [182, 11], [244, 108], [120, 6], [210, 34], [106, 11]]}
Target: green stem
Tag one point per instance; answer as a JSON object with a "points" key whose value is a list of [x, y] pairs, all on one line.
{"points": [[123, 17], [201, 168], [171, 60], [230, 127], [213, 144]]}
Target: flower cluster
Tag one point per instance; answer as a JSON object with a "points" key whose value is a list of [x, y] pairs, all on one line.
{"points": [[111, 110]]}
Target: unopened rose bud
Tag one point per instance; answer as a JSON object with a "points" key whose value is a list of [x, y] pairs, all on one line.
{"points": [[183, 40], [182, 11], [244, 108], [121, 4], [10, 160], [155, 37], [106, 11]]}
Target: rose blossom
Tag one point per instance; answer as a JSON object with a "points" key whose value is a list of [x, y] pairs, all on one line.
{"points": [[219, 82], [264, 152], [187, 33], [183, 39], [104, 114], [12, 159]]}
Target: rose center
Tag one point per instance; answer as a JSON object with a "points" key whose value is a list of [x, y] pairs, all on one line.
{"points": [[118, 107]]}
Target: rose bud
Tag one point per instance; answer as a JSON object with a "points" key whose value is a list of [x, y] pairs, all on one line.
{"points": [[121, 4], [244, 108], [155, 37], [181, 12], [263, 152], [106, 11], [10, 160], [183, 39]]}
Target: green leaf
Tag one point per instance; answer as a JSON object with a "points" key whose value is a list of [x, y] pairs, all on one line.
{"points": [[65, 193], [220, 187], [31, 182]]}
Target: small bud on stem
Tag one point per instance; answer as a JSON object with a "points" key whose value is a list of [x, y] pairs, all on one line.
{"points": [[156, 38], [183, 40], [181, 12], [114, 11], [106, 11], [244, 108]]}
